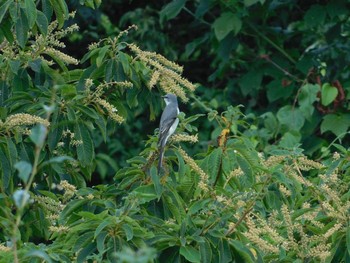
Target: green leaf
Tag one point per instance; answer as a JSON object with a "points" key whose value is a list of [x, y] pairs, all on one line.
{"points": [[245, 255], [38, 254], [307, 96], [3, 9], [145, 193], [101, 55], [290, 139], [85, 150], [190, 253], [38, 135], [315, 16], [337, 124], [328, 94], [42, 22], [205, 250], [224, 251], [172, 9], [86, 251], [250, 82], [129, 233], [61, 11], [253, 2], [31, 12], [102, 226], [226, 23], [87, 111], [6, 169], [57, 159], [22, 28], [291, 117], [211, 164], [348, 239], [24, 170], [100, 240], [155, 179]]}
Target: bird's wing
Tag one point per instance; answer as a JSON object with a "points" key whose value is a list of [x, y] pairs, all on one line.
{"points": [[166, 121]]}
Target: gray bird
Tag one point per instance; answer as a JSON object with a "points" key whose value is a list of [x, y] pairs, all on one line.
{"points": [[168, 124]]}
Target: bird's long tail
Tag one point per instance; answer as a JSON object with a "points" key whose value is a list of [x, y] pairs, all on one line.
{"points": [[160, 161]]}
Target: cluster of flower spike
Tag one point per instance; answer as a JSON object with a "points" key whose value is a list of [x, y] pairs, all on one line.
{"points": [[165, 73]]}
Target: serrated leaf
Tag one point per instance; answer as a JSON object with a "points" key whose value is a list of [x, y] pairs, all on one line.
{"points": [[42, 22], [155, 179], [226, 23], [328, 94], [85, 150], [348, 239], [244, 253], [6, 169], [205, 250], [31, 12], [61, 11], [190, 253], [22, 28], [211, 164]]}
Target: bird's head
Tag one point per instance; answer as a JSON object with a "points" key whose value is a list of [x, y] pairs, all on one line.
{"points": [[170, 98]]}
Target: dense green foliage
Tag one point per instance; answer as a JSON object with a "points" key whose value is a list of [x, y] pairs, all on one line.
{"points": [[267, 182]]}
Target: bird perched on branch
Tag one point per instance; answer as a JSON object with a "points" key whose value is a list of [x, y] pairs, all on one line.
{"points": [[168, 124]]}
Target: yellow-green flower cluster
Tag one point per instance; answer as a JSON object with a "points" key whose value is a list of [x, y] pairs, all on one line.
{"points": [[4, 248], [71, 135], [95, 97], [165, 73], [184, 138], [203, 183], [111, 110], [69, 189], [59, 229], [42, 45], [18, 122], [52, 207]]}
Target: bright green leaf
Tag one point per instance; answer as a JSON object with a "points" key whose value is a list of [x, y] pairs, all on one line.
{"points": [[328, 94], [190, 253], [42, 22], [31, 12]]}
